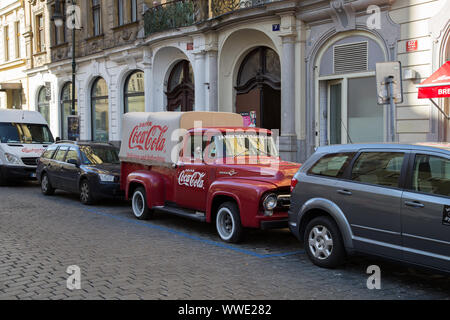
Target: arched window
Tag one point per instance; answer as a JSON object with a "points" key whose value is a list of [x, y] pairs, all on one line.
{"points": [[100, 108], [180, 89], [66, 108], [134, 97], [258, 88], [43, 104]]}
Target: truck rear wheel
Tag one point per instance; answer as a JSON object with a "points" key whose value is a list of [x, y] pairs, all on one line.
{"points": [[228, 223], [139, 204]]}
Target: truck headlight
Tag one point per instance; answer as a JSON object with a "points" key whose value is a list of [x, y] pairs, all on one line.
{"points": [[106, 177], [270, 201], [12, 158]]}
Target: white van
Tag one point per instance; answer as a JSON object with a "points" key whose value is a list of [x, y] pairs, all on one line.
{"points": [[24, 135]]}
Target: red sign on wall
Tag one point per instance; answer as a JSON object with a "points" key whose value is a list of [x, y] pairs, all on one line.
{"points": [[189, 46], [411, 45]]}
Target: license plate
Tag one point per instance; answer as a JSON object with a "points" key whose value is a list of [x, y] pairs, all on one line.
{"points": [[33, 175]]}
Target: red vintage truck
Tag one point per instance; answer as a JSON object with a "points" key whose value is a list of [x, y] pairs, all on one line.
{"points": [[205, 166]]}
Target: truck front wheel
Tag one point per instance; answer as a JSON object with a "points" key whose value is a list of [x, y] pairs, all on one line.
{"points": [[140, 205], [228, 223]]}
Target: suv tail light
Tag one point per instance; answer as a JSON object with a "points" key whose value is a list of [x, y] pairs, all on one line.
{"points": [[293, 183]]}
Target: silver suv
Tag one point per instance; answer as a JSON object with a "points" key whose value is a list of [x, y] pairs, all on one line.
{"points": [[389, 200]]}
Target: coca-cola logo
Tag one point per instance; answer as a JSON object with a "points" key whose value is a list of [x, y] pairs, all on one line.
{"points": [[191, 178], [32, 150], [146, 136]]}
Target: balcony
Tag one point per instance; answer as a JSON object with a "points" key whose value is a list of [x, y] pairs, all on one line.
{"points": [[162, 16]]}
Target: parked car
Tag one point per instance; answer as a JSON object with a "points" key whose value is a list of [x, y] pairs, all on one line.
{"points": [[24, 135], [382, 199], [88, 168], [221, 173]]}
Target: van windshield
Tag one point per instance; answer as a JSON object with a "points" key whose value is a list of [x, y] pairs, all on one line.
{"points": [[25, 133]]}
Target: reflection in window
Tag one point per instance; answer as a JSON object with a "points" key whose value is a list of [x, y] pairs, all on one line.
{"points": [[98, 155], [380, 168], [100, 108], [66, 108], [134, 93], [332, 165], [43, 104], [431, 175]]}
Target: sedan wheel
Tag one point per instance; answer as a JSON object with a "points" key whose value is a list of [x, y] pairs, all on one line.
{"points": [[86, 196], [46, 187]]}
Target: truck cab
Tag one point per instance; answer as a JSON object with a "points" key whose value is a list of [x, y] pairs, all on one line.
{"points": [[228, 175], [24, 135]]}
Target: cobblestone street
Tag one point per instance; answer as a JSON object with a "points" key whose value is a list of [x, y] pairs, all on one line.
{"points": [[170, 258]]}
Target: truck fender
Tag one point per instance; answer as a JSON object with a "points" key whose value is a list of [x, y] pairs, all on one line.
{"points": [[334, 211], [152, 182], [246, 193]]}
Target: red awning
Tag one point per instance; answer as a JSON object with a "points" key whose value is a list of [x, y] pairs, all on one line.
{"points": [[437, 85]]}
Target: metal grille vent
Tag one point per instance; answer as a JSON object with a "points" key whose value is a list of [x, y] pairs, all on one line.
{"points": [[351, 57]]}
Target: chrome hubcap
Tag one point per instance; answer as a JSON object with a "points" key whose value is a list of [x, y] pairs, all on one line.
{"points": [[225, 223], [138, 204], [320, 242]]}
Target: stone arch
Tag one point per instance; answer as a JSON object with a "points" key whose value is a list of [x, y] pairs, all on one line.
{"points": [[233, 49], [164, 59]]}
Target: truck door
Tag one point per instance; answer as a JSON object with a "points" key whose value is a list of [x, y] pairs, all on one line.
{"points": [[192, 179]]}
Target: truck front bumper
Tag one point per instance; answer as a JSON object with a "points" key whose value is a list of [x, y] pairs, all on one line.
{"points": [[18, 172], [274, 224]]}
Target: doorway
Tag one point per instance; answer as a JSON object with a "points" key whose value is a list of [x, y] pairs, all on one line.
{"points": [[180, 88], [258, 89]]}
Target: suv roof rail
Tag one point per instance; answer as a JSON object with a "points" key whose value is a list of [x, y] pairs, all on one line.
{"points": [[65, 141]]}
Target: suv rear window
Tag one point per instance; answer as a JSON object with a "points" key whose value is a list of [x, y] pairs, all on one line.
{"points": [[332, 165], [380, 168]]}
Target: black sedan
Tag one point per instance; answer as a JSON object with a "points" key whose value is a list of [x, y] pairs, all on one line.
{"points": [[87, 168]]}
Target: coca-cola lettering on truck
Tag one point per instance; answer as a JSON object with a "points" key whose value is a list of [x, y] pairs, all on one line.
{"points": [[205, 166]]}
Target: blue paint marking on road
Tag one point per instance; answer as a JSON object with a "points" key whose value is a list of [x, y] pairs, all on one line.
{"points": [[192, 237]]}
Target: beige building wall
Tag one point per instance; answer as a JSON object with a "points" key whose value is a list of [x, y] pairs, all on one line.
{"points": [[414, 116], [12, 55]]}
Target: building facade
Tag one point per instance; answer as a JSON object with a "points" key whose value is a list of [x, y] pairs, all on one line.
{"points": [[13, 80], [305, 68]]}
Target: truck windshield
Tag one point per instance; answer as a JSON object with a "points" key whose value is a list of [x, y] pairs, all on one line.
{"points": [[25, 133], [98, 155], [243, 144]]}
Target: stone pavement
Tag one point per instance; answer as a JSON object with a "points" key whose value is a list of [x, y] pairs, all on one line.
{"points": [[170, 258]]}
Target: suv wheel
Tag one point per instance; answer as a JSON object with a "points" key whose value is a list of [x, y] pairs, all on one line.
{"points": [[139, 204], [323, 243], [46, 187], [228, 223], [86, 196]]}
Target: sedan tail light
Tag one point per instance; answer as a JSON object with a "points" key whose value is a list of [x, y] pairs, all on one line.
{"points": [[293, 183]]}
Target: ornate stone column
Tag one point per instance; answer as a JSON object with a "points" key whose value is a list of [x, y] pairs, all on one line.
{"points": [[199, 80], [288, 137]]}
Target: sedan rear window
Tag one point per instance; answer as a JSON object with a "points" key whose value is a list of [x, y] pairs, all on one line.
{"points": [[332, 165]]}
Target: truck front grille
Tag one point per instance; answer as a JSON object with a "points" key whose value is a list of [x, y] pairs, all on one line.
{"points": [[284, 201]]}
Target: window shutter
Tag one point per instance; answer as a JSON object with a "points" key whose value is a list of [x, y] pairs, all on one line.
{"points": [[351, 57]]}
